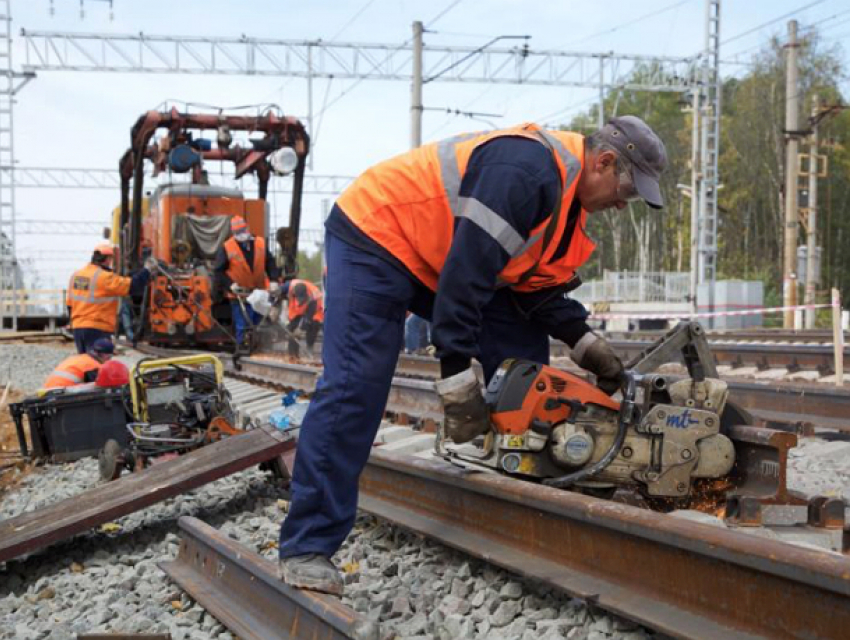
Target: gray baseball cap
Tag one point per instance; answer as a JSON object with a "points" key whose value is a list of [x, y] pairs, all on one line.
{"points": [[634, 139]]}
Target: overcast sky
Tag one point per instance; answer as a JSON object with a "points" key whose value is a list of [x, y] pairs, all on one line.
{"points": [[65, 119]]}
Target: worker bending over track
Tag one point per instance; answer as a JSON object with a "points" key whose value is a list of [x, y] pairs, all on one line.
{"points": [[243, 264], [94, 295], [82, 367], [305, 308], [481, 233]]}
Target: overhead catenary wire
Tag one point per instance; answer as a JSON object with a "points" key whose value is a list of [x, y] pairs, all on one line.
{"points": [[770, 22], [352, 20], [339, 32], [630, 22], [357, 83], [781, 40]]}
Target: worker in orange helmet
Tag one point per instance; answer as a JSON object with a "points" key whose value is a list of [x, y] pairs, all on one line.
{"points": [[94, 295], [81, 368], [243, 264], [305, 308]]}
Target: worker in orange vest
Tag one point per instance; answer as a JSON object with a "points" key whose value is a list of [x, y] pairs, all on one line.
{"points": [[305, 308], [82, 367], [95, 293], [483, 234], [242, 264]]}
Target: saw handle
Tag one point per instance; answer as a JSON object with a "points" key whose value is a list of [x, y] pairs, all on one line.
{"points": [[576, 407]]}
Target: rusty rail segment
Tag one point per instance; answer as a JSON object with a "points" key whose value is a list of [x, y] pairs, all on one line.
{"points": [[31, 531], [242, 590], [686, 579]]}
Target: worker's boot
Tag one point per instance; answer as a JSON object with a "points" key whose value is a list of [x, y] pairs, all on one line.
{"points": [[311, 571]]}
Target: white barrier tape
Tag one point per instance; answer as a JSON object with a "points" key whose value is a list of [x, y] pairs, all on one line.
{"points": [[714, 314]]}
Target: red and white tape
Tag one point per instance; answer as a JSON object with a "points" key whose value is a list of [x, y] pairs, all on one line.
{"points": [[713, 314]]}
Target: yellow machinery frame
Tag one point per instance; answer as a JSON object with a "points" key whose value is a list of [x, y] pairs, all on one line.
{"points": [[140, 406]]}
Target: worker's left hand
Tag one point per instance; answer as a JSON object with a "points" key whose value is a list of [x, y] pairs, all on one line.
{"points": [[274, 287], [593, 353], [151, 264], [466, 412]]}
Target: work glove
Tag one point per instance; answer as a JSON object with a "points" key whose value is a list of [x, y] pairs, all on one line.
{"points": [[238, 289], [151, 265], [274, 287], [593, 353], [467, 415]]}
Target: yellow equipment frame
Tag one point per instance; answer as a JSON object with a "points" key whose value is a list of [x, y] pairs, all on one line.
{"points": [[140, 405]]}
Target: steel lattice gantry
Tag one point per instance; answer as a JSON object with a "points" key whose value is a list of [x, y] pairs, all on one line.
{"points": [[92, 178], [141, 53]]}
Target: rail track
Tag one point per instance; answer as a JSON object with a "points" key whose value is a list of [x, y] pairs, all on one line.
{"points": [[242, 590], [683, 578], [791, 405]]}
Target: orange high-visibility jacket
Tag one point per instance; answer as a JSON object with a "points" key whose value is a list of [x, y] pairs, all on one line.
{"points": [[313, 293], [71, 371], [408, 205], [238, 271], [94, 294]]}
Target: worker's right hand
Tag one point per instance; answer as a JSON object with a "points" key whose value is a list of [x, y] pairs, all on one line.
{"points": [[467, 415], [593, 353], [151, 265], [238, 290]]}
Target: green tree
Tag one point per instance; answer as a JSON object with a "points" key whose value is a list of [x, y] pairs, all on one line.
{"points": [[752, 173], [310, 266]]}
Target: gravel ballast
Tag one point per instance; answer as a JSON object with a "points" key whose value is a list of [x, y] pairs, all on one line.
{"points": [[108, 581]]}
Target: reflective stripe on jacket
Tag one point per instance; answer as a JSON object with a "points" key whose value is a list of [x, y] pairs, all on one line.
{"points": [[408, 205], [297, 309], [94, 294], [237, 267], [71, 371]]}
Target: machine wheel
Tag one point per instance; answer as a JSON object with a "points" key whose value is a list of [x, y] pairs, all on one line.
{"points": [[110, 460]]}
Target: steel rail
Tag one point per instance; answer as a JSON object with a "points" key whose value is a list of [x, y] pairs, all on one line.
{"points": [[687, 579], [34, 530], [795, 404], [761, 355], [408, 396], [242, 590]]}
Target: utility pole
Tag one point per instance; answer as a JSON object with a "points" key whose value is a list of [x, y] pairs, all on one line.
{"points": [[709, 153], [792, 107], [811, 233], [416, 88], [695, 205]]}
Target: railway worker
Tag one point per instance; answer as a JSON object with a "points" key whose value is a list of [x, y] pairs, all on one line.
{"points": [[482, 234], [305, 308], [242, 264], [95, 293], [81, 367]]}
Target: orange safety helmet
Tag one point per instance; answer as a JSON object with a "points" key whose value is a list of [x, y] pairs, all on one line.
{"points": [[113, 374], [105, 249], [238, 225]]}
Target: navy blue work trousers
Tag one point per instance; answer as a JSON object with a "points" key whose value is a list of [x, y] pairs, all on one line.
{"points": [[243, 321], [85, 338], [366, 302]]}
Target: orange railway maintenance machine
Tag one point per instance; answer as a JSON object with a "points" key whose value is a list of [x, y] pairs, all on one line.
{"points": [[183, 222]]}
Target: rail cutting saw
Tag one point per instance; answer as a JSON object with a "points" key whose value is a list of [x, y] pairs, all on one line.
{"points": [[660, 439]]}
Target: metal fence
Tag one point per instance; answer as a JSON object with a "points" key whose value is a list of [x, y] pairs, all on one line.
{"points": [[32, 302], [631, 286]]}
